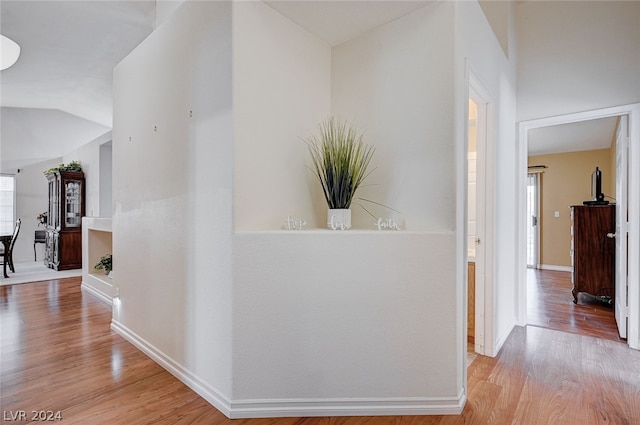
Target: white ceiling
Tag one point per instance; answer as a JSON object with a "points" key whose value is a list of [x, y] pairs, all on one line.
{"points": [[58, 94], [580, 136], [338, 21], [69, 49]]}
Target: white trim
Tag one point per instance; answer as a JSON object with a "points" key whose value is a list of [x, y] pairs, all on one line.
{"points": [[213, 396], [393, 406], [555, 268], [621, 305], [485, 288], [95, 285], [633, 329], [96, 293], [272, 408], [500, 341], [521, 230], [633, 111]]}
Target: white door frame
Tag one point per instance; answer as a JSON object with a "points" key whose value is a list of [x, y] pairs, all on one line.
{"points": [[484, 317], [633, 112], [622, 168]]}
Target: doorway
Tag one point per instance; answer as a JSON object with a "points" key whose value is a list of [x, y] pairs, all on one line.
{"points": [[632, 114], [472, 219], [479, 242]]}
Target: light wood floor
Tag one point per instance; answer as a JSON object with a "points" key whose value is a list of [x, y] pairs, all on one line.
{"points": [[550, 305], [59, 354]]}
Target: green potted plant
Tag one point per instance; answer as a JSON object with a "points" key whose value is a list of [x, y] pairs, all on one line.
{"points": [[340, 162], [105, 263], [72, 166]]}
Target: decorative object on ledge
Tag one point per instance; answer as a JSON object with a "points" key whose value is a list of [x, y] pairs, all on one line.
{"points": [[339, 219], [104, 264], [42, 218], [340, 161], [72, 166], [387, 224], [293, 223]]}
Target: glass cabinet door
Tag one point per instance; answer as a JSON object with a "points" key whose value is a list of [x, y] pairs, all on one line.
{"points": [[53, 219], [51, 204], [72, 203]]}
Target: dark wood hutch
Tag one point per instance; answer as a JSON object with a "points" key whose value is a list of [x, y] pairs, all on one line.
{"points": [[593, 250], [63, 246]]}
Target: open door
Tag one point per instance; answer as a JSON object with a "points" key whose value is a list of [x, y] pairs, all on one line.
{"points": [[480, 225], [621, 235]]}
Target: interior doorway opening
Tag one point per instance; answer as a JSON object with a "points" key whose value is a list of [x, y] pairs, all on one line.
{"points": [[630, 241], [479, 216], [472, 218]]}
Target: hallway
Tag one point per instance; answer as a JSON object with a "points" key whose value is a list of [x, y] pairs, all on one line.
{"points": [[59, 354], [550, 305]]}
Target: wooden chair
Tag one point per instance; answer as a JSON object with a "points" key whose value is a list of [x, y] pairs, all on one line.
{"points": [[39, 237], [7, 256]]}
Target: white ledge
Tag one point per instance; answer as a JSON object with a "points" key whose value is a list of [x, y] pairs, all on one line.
{"points": [[345, 232], [97, 223]]}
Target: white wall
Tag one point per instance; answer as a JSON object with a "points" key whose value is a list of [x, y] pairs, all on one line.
{"points": [[31, 200], [323, 318], [281, 90], [106, 180], [265, 322], [345, 323], [576, 56], [396, 82], [164, 9], [172, 181], [89, 157], [478, 50]]}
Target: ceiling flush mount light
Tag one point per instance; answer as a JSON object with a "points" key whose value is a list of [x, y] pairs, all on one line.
{"points": [[9, 52]]}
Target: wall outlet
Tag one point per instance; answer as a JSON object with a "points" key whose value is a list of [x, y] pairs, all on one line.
{"points": [[557, 213]]}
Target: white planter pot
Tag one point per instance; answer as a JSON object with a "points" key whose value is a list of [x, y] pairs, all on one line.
{"points": [[339, 219]]}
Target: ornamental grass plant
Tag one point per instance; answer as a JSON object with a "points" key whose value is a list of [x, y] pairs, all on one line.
{"points": [[340, 161]]}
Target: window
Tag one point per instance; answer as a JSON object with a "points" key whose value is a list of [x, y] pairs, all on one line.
{"points": [[533, 232], [7, 203]]}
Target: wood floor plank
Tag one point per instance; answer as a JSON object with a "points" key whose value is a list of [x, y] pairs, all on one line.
{"points": [[58, 353], [550, 305], [552, 389], [504, 372], [612, 383]]}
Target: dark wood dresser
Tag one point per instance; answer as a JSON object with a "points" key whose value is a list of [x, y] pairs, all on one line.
{"points": [[593, 250]]}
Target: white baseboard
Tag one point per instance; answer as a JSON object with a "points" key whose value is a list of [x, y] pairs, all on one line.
{"points": [[556, 268], [502, 339], [213, 396], [275, 408], [347, 407], [98, 294]]}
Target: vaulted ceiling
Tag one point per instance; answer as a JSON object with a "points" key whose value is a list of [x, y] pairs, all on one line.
{"points": [[58, 95]]}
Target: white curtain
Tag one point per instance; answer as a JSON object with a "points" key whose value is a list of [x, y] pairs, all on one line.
{"points": [[7, 203]]}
